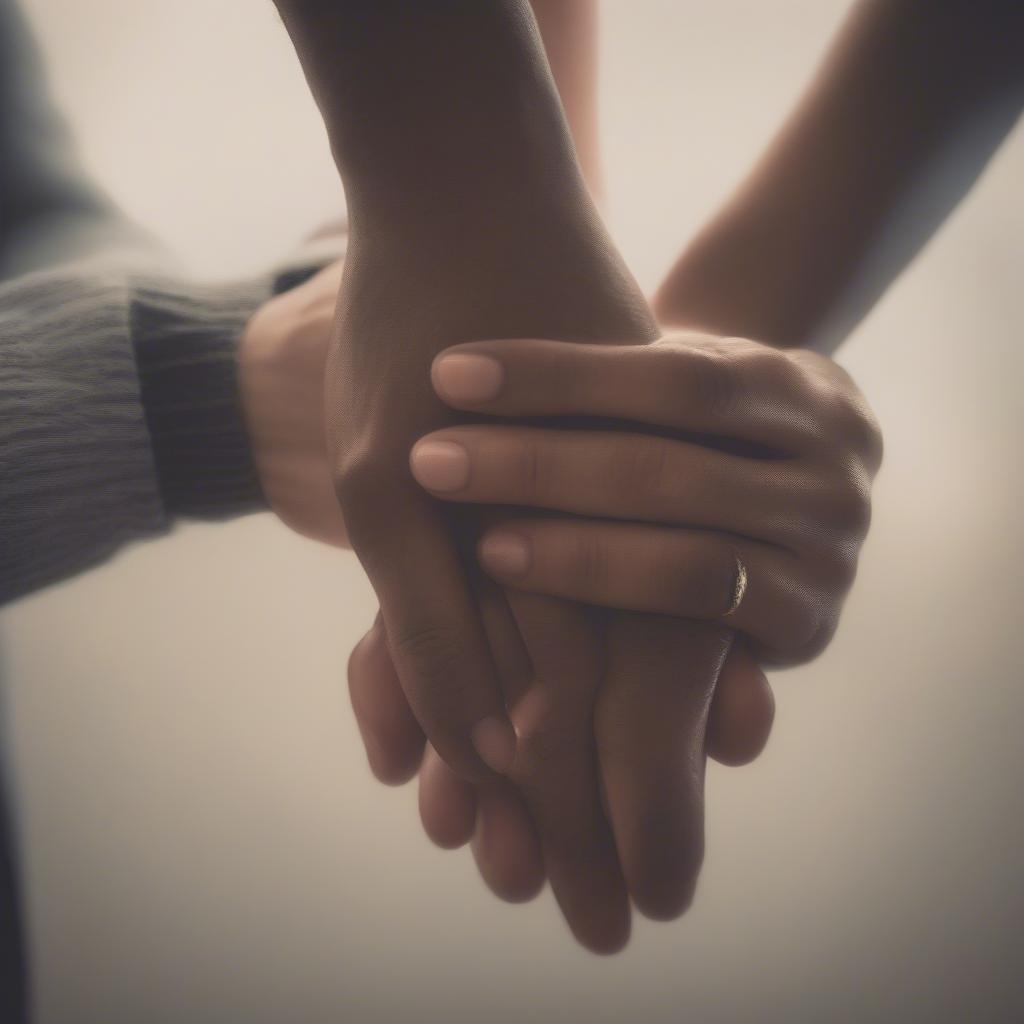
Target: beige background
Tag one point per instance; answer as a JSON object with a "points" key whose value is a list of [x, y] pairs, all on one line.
{"points": [[204, 842]]}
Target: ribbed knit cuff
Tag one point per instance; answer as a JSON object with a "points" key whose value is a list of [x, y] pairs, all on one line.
{"points": [[185, 337]]}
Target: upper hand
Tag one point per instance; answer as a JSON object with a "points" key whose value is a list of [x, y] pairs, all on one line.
{"points": [[807, 437], [736, 486]]}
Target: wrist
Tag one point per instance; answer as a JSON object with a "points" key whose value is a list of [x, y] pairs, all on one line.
{"points": [[730, 281]]}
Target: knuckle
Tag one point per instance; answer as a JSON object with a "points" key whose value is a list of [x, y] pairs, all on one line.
{"points": [[834, 392], [359, 479], [714, 380], [854, 504], [588, 564], [838, 567], [839, 505], [362, 484], [786, 374], [818, 639], [802, 627], [434, 651], [791, 641], [857, 424], [530, 468], [806, 627], [868, 436], [652, 472]]}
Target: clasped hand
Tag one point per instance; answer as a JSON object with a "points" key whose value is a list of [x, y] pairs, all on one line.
{"points": [[620, 492]]}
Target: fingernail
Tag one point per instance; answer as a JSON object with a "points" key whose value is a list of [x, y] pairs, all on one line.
{"points": [[495, 742], [505, 554], [440, 465], [466, 378]]}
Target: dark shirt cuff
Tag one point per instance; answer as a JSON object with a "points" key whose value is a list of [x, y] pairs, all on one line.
{"points": [[185, 337]]}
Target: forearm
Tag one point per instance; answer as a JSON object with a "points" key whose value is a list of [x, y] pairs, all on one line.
{"points": [[569, 30], [909, 104], [458, 168], [442, 117]]}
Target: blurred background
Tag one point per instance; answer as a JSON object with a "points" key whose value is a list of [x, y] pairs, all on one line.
{"points": [[204, 841]]}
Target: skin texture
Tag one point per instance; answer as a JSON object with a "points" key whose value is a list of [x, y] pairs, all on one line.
{"points": [[282, 355], [812, 447], [751, 272], [911, 100], [769, 459], [495, 206], [569, 31]]}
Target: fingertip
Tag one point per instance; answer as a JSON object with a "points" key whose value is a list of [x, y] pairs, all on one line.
{"points": [[388, 769], [506, 848], [391, 736], [447, 804], [669, 897], [504, 553], [607, 928], [494, 740], [742, 711], [466, 377], [663, 863], [441, 466]]}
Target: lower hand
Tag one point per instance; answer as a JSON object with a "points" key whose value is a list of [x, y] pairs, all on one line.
{"points": [[281, 359], [795, 406]]}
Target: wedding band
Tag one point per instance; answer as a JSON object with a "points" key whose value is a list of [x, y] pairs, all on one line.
{"points": [[739, 588]]}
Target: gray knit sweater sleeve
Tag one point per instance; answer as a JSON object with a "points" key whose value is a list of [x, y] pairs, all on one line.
{"points": [[76, 470], [119, 406], [118, 411]]}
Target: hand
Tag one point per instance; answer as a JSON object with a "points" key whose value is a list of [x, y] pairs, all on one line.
{"points": [[281, 360], [282, 355], [651, 725], [435, 622], [494, 816], [794, 405], [469, 219], [761, 468]]}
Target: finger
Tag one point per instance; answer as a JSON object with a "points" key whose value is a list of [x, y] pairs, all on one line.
{"points": [[556, 770], [391, 735], [505, 846], [760, 590], [696, 383], [448, 804], [650, 723], [620, 476], [433, 626], [742, 710], [511, 658]]}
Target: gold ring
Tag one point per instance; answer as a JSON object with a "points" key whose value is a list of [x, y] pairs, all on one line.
{"points": [[739, 588]]}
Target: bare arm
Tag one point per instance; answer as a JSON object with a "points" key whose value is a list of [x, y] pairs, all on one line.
{"points": [[469, 218], [908, 106], [435, 112], [568, 29]]}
